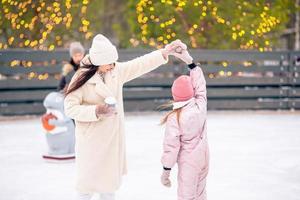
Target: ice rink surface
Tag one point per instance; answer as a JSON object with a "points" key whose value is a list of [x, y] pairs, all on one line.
{"points": [[254, 156]]}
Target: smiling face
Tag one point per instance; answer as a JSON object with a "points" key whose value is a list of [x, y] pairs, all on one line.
{"points": [[106, 68]]}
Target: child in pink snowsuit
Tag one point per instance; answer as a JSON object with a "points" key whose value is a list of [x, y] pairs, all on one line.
{"points": [[185, 141]]}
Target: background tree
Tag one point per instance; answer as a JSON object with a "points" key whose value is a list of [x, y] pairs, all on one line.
{"points": [[46, 24], [222, 24], [214, 24]]}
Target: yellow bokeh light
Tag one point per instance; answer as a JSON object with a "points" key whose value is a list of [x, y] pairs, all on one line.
{"points": [[51, 47], [221, 73]]}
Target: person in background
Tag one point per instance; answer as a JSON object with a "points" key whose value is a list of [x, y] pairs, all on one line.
{"points": [[77, 53]]}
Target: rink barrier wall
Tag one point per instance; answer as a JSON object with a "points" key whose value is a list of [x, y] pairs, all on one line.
{"points": [[236, 80]]}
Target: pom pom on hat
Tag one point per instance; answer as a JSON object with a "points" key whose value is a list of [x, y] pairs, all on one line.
{"points": [[182, 89], [102, 51]]}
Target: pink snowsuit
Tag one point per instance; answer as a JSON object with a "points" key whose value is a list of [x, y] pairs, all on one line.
{"points": [[186, 143]]}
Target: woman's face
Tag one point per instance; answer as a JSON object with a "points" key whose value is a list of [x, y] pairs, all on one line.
{"points": [[77, 57], [106, 68]]}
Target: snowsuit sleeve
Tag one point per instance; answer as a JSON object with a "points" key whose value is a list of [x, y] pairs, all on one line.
{"points": [[171, 144], [199, 85], [74, 109], [141, 65]]}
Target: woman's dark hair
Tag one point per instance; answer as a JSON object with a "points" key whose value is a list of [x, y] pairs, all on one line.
{"points": [[82, 78]]}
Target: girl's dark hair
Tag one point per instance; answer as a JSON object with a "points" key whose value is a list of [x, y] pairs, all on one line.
{"points": [[82, 78]]}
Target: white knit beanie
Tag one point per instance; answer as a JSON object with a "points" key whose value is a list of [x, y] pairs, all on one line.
{"points": [[102, 52], [76, 47]]}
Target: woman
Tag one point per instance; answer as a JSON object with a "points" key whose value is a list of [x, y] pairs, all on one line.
{"points": [[100, 142]]}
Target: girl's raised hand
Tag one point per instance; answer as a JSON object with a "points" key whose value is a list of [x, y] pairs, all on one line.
{"points": [[184, 56], [179, 50]]}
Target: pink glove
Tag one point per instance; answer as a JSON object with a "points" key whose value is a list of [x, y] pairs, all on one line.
{"points": [[105, 110], [184, 56], [170, 48], [165, 178], [179, 50]]}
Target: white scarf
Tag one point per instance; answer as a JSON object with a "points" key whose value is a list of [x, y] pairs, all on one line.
{"points": [[181, 104]]}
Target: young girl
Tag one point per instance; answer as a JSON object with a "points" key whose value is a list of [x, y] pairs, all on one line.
{"points": [[185, 141]]}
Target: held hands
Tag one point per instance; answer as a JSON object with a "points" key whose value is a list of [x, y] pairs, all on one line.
{"points": [[105, 110], [179, 50], [165, 178]]}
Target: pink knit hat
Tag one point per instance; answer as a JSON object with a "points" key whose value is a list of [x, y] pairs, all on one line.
{"points": [[182, 89]]}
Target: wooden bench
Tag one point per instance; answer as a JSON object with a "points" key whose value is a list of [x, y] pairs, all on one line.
{"points": [[235, 80]]}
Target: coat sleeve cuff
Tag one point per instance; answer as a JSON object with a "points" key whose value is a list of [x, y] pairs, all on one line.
{"points": [[166, 168], [92, 111], [162, 60], [192, 65]]}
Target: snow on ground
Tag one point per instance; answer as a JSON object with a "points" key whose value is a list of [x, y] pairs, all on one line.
{"points": [[254, 156]]}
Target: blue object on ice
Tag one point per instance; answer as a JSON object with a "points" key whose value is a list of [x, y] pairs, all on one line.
{"points": [[60, 140]]}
